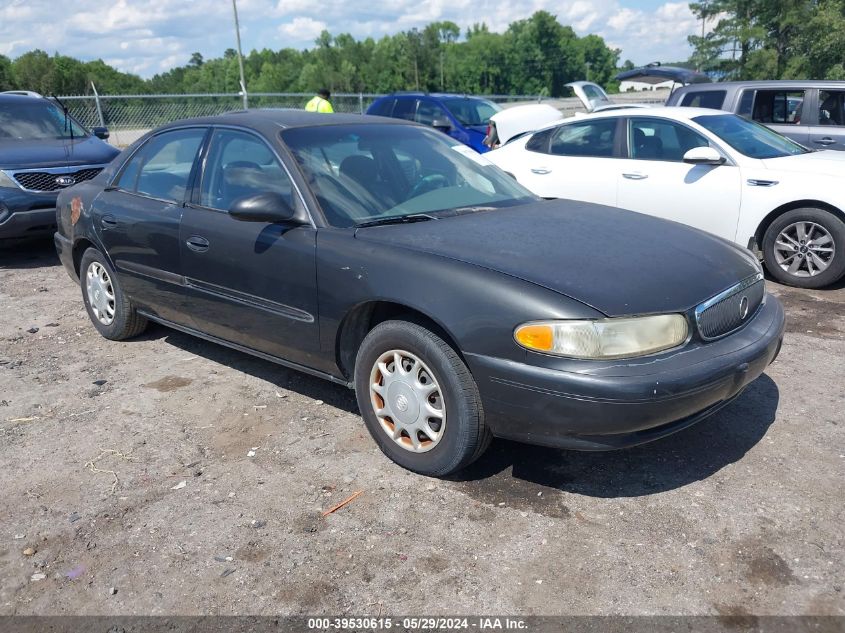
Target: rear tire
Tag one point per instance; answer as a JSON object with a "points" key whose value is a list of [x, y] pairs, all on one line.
{"points": [[439, 422], [110, 310], [805, 248]]}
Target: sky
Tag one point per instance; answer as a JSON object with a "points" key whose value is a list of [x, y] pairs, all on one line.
{"points": [[146, 37]]}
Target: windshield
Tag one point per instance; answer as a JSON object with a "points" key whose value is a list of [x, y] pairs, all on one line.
{"points": [[471, 111], [748, 137], [35, 120], [362, 173]]}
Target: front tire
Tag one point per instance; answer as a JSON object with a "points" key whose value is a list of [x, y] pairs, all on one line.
{"points": [[805, 248], [419, 400], [110, 310]]}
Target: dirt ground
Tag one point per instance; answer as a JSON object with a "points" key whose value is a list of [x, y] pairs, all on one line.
{"points": [[128, 468]]}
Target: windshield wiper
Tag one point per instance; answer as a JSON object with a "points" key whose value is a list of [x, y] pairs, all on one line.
{"points": [[68, 123], [398, 219]]}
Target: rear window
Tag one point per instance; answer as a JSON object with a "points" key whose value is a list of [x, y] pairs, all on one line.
{"points": [[713, 99]]}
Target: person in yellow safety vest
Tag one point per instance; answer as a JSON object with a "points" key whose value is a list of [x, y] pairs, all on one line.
{"points": [[320, 103]]}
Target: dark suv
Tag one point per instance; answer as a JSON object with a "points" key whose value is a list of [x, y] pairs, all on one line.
{"points": [[809, 112], [42, 151], [463, 118]]}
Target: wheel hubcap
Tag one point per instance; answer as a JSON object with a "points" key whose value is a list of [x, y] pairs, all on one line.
{"points": [[100, 293], [407, 401], [804, 249]]}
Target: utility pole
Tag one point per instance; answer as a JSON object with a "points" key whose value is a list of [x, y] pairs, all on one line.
{"points": [[240, 54], [442, 82]]}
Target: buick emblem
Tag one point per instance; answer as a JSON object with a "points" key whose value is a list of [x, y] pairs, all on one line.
{"points": [[65, 181], [743, 307], [402, 403]]}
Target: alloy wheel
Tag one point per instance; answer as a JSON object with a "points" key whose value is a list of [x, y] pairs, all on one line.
{"points": [[804, 249]]}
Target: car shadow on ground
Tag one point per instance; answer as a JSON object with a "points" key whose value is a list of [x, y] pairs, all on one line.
{"points": [[509, 468], [310, 386], [33, 253], [509, 471]]}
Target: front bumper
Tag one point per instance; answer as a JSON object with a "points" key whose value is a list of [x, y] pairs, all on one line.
{"points": [[625, 403], [26, 214], [16, 224]]}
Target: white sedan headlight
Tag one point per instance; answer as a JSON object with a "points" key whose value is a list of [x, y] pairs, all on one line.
{"points": [[604, 338]]}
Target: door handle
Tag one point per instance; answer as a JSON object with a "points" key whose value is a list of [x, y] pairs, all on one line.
{"points": [[635, 176], [541, 171], [197, 243], [108, 222], [824, 141]]}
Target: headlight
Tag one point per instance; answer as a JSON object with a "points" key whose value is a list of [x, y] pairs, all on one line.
{"points": [[604, 338], [5, 181]]}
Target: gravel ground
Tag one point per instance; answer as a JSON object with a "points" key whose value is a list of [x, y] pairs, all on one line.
{"points": [[167, 475]]}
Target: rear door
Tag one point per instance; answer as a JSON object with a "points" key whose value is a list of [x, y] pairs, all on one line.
{"points": [[656, 181], [578, 161], [828, 129], [250, 283], [138, 220]]}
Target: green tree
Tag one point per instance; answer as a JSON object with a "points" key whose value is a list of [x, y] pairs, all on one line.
{"points": [[7, 82]]}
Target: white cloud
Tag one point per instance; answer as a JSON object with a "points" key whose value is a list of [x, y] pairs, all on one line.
{"points": [[302, 28], [149, 36]]}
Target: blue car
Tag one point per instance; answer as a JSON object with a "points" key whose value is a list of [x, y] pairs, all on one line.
{"points": [[42, 151], [463, 118]]}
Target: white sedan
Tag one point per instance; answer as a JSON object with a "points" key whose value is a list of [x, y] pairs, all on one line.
{"points": [[709, 169]]}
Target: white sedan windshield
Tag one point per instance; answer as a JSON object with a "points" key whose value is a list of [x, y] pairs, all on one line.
{"points": [[749, 138]]}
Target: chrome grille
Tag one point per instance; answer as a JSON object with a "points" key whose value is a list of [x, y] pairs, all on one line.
{"points": [[50, 180], [730, 310]]}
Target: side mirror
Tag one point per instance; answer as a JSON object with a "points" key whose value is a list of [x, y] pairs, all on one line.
{"points": [[442, 123], [100, 132], [703, 156], [264, 207]]}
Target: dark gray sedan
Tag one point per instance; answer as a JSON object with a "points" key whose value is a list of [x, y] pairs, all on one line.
{"points": [[385, 257]]}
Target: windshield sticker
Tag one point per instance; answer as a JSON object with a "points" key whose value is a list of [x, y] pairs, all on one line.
{"points": [[472, 155]]}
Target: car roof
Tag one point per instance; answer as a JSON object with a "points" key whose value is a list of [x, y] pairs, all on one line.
{"points": [[270, 120], [434, 95], [676, 113], [19, 97], [763, 83]]}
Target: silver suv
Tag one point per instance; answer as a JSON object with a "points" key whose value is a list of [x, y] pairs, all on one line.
{"points": [[809, 112]]}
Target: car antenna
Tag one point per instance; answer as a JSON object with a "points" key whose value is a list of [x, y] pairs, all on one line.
{"points": [[68, 124]]}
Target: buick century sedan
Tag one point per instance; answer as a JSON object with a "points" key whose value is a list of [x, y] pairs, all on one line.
{"points": [[383, 256]]}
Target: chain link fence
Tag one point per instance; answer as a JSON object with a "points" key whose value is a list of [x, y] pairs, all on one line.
{"points": [[129, 117]]}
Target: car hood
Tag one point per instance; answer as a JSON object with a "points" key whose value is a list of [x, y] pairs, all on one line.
{"points": [[618, 262], [827, 162], [55, 153]]}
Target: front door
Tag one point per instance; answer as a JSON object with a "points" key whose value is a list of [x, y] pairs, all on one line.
{"points": [[654, 179], [138, 221], [250, 283]]}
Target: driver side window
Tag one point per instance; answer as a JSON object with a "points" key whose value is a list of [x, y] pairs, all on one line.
{"points": [[241, 165], [661, 139]]}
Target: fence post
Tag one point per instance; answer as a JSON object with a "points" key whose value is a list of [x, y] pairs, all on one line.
{"points": [[361, 102], [97, 102]]}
